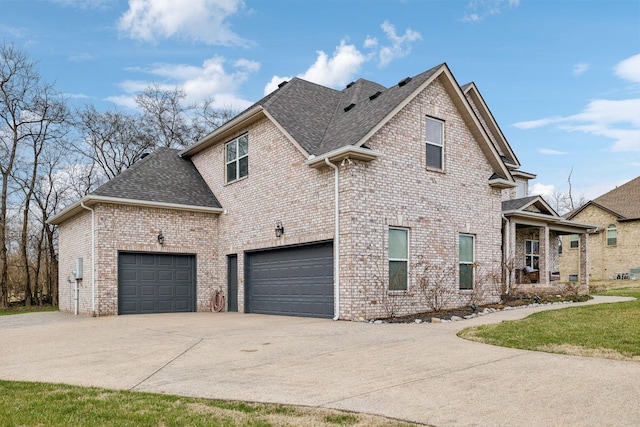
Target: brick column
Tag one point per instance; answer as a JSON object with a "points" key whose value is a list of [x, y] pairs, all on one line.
{"points": [[584, 263], [543, 268]]}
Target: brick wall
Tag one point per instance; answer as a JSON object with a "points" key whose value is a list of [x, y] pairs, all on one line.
{"points": [[129, 228], [279, 187], [604, 261]]}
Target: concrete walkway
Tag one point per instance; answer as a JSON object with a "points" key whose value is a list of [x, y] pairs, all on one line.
{"points": [[414, 372]]}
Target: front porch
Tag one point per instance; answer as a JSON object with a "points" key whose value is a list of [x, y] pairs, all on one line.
{"points": [[532, 246]]}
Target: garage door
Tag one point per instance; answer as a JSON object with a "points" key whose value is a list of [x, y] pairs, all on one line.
{"points": [[156, 283], [294, 281]]}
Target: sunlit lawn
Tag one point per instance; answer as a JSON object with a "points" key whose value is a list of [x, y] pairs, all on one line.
{"points": [[40, 404], [602, 330]]}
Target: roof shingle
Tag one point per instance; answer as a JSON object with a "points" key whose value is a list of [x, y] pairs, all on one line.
{"points": [[162, 176]]}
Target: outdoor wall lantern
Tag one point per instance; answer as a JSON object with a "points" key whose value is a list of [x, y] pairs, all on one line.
{"points": [[279, 229], [160, 237]]}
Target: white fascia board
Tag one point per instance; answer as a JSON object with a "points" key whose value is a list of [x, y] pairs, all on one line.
{"points": [[522, 174], [348, 152], [502, 183], [92, 200], [237, 121], [538, 218]]}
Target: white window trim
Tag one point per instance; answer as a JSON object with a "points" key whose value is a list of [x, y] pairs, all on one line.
{"points": [[572, 240], [441, 146], [399, 259], [612, 227], [235, 141], [473, 261], [531, 254]]}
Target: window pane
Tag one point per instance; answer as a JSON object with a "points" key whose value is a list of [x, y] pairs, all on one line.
{"points": [[573, 241], [397, 275], [434, 156], [535, 246], [527, 246], [612, 235], [231, 151], [466, 276], [434, 131], [466, 248], [243, 145], [231, 171], [398, 243], [244, 167]]}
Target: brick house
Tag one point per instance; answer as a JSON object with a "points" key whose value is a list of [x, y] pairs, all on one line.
{"points": [[316, 202], [614, 247]]}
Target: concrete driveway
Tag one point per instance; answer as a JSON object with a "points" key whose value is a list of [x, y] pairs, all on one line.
{"points": [[417, 372]]}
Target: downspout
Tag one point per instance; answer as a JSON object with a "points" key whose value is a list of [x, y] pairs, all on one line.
{"points": [[506, 253], [336, 240], [93, 258]]}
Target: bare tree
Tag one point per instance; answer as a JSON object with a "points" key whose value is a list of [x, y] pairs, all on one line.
{"points": [[112, 140], [165, 119]]}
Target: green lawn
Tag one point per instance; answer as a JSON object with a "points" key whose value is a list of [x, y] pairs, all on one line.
{"points": [[40, 404], [603, 330], [19, 309]]}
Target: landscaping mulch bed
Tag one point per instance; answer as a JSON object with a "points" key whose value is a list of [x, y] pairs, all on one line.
{"points": [[525, 300]]}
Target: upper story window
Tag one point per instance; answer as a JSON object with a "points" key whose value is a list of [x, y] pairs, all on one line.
{"points": [[435, 143], [612, 235], [573, 241], [398, 259], [237, 158]]}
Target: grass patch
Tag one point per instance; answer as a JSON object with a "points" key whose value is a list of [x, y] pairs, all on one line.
{"points": [[603, 330], [42, 404], [20, 309]]}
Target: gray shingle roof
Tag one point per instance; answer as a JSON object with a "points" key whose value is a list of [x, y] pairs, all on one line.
{"points": [[315, 115], [162, 176], [517, 204], [623, 200]]}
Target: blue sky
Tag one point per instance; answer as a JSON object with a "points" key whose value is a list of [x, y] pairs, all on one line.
{"points": [[562, 77]]}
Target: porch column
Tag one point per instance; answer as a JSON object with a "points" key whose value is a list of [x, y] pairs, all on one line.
{"points": [[510, 257], [584, 262], [543, 267]]}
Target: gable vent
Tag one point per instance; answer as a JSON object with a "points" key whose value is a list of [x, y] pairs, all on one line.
{"points": [[349, 107], [374, 96], [350, 84], [404, 82], [282, 84]]}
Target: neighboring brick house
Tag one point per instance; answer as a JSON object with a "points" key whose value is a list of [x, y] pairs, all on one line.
{"points": [[615, 246], [315, 202]]}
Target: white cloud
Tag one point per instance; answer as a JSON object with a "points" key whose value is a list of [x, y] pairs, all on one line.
{"points": [[211, 80], [347, 60], [618, 120], [334, 71], [580, 68], [629, 69], [400, 45], [81, 57], [477, 10], [543, 190], [198, 20], [551, 152]]}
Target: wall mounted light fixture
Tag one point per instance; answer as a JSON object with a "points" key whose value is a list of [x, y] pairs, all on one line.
{"points": [[160, 237], [279, 229]]}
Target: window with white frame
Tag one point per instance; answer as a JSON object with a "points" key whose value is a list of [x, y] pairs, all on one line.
{"points": [[466, 243], [612, 235], [398, 259], [435, 143], [237, 158], [532, 254], [573, 241]]}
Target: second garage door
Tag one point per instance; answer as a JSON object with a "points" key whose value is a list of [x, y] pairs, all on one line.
{"points": [[292, 281], [156, 283]]}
